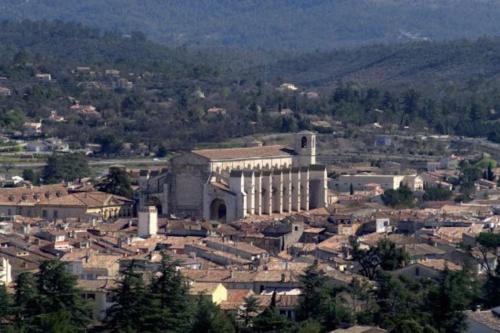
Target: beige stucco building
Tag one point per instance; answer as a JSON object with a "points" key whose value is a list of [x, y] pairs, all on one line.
{"points": [[81, 204], [360, 182], [56, 202], [230, 184]]}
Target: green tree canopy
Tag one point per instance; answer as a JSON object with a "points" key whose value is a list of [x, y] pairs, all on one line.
{"points": [[402, 197], [65, 167], [117, 182]]}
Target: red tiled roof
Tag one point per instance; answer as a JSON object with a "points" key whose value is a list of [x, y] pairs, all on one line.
{"points": [[243, 153], [88, 199]]}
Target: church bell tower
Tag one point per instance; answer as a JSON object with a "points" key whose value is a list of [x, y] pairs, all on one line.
{"points": [[305, 148]]}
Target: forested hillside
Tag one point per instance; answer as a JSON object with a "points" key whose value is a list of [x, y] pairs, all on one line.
{"points": [[57, 44], [133, 96], [423, 65], [302, 25]]}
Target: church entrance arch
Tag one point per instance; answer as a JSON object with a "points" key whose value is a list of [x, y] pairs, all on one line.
{"points": [[218, 210]]}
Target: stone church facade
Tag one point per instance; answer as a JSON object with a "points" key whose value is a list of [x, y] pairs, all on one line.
{"points": [[234, 183]]}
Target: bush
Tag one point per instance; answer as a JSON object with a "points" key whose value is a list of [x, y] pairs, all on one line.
{"points": [[437, 194]]}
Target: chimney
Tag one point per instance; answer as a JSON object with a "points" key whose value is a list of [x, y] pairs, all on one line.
{"points": [[148, 222]]}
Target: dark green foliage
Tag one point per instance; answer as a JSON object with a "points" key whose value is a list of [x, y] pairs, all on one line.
{"points": [[57, 294], [161, 152], [250, 309], [117, 182], [408, 326], [170, 292], [30, 175], [491, 289], [160, 113], [163, 306], [402, 197], [319, 302], [489, 240], [386, 255], [133, 309], [309, 326], [26, 296], [488, 246], [49, 302], [271, 321], [5, 305], [12, 119], [470, 174], [209, 318], [437, 194], [399, 299], [391, 256], [449, 299], [65, 167], [313, 283], [490, 175], [489, 243]]}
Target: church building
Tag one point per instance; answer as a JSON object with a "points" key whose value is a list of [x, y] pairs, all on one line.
{"points": [[234, 183]]}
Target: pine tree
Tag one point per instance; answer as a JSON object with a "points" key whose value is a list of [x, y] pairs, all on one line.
{"points": [[58, 297], [491, 289], [117, 182], [5, 305], [26, 293], [271, 321], [133, 309], [313, 284], [170, 291], [209, 318], [250, 308], [449, 301], [25, 301]]}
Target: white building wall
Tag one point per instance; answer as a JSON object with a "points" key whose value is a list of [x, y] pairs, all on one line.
{"points": [[358, 182], [5, 271], [148, 222]]}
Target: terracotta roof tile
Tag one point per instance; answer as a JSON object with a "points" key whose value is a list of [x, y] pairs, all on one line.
{"points": [[88, 199], [243, 153]]}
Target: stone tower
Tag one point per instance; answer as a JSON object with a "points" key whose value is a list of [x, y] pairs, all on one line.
{"points": [[305, 148], [148, 222]]}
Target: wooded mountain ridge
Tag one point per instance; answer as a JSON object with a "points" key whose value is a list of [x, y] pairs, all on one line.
{"points": [[300, 25]]}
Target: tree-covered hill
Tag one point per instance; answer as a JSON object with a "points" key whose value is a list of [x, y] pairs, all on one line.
{"points": [[302, 25], [423, 65], [133, 96], [68, 44]]}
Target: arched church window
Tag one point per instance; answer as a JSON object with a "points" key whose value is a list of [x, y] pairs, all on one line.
{"points": [[303, 142]]}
